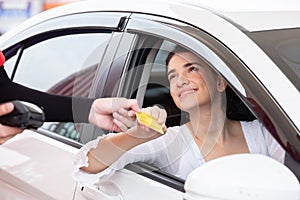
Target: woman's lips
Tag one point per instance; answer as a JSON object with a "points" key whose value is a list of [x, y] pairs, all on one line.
{"points": [[186, 92]]}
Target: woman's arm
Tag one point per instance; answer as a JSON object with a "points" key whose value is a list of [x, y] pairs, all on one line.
{"points": [[112, 147]]}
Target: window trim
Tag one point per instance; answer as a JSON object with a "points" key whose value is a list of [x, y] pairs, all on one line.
{"points": [[167, 28], [19, 48], [93, 20], [110, 70], [155, 174]]}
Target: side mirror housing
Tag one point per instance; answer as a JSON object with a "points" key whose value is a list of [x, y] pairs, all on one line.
{"points": [[242, 176]]}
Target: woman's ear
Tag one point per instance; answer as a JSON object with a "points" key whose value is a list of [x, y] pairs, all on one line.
{"points": [[221, 84]]}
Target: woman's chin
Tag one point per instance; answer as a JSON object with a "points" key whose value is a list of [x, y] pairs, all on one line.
{"points": [[189, 106]]}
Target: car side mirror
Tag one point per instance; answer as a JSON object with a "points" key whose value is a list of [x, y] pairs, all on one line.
{"points": [[242, 176]]}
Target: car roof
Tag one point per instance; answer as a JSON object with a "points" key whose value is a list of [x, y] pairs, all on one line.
{"points": [[254, 15]]}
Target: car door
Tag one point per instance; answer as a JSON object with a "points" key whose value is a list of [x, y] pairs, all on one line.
{"points": [[58, 56], [144, 77]]}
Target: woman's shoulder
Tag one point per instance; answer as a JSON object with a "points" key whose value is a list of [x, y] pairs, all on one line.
{"points": [[251, 124], [176, 132], [172, 130]]}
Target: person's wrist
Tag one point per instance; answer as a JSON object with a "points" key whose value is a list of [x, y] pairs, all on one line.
{"points": [[91, 116], [137, 139]]}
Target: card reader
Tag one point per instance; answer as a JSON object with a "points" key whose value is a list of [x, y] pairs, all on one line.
{"points": [[25, 115]]}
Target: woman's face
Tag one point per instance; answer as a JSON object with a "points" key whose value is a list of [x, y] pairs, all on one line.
{"points": [[192, 82]]}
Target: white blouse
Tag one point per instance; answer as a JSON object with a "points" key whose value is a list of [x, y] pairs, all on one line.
{"points": [[175, 152]]}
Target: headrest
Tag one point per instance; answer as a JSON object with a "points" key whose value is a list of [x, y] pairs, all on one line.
{"points": [[236, 109]]}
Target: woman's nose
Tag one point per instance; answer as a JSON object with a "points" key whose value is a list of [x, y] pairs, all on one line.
{"points": [[181, 80]]}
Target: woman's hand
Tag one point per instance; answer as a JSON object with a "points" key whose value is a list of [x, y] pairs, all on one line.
{"points": [[144, 133]]}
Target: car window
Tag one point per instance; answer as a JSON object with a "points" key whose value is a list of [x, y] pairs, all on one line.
{"points": [[53, 60], [153, 89], [9, 65], [64, 65], [283, 47]]}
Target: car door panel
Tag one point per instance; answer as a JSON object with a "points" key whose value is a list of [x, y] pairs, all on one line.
{"points": [[125, 184], [43, 172]]}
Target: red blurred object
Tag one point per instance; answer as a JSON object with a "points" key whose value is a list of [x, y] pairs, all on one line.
{"points": [[2, 58], [52, 4]]}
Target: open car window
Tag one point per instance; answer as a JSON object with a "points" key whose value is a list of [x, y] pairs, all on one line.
{"points": [[74, 61], [154, 89]]}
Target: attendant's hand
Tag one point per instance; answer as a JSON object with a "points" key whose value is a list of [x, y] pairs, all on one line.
{"points": [[7, 132], [116, 114]]}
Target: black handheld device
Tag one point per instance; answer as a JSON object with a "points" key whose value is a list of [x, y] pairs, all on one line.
{"points": [[25, 115]]}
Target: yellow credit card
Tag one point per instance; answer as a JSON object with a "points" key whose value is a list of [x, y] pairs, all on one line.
{"points": [[149, 121]]}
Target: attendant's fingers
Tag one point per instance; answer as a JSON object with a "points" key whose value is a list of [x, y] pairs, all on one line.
{"points": [[127, 121], [128, 104], [123, 112], [120, 125], [131, 114], [134, 105], [126, 113], [116, 128]]}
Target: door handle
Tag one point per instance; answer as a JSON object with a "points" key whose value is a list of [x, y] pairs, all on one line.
{"points": [[106, 191]]}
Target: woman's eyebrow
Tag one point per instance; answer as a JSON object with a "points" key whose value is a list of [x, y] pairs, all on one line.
{"points": [[184, 66], [171, 71], [189, 64]]}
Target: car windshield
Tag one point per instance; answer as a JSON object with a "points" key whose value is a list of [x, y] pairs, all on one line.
{"points": [[283, 47]]}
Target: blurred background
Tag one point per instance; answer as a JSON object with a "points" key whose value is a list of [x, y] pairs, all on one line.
{"points": [[13, 12]]}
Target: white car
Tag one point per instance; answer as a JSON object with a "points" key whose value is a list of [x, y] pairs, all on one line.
{"points": [[117, 48]]}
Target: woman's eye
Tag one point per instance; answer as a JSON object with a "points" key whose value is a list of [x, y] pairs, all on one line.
{"points": [[193, 68], [171, 77]]}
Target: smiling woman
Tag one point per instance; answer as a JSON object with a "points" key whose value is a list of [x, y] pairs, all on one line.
{"points": [[255, 56], [209, 134]]}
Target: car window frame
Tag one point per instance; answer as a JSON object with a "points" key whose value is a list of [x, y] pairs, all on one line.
{"points": [[144, 24], [93, 20], [107, 79]]}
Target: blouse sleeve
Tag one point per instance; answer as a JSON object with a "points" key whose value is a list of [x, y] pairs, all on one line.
{"points": [[274, 149], [260, 140], [142, 153]]}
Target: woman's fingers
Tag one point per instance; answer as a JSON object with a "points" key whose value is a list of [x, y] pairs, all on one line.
{"points": [[158, 113]]}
